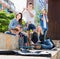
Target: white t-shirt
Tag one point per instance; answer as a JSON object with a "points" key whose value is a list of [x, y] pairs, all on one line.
{"points": [[27, 16], [44, 21]]}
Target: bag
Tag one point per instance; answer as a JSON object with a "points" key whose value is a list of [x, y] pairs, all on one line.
{"points": [[34, 37]]}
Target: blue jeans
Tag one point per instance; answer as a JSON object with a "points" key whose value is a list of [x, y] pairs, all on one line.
{"points": [[45, 33], [47, 44], [25, 37], [8, 32]]}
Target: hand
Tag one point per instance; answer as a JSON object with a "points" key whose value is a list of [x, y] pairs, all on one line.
{"points": [[18, 26], [29, 22], [47, 20], [42, 18], [26, 8]]}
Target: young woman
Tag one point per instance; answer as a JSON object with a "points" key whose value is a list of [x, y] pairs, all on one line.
{"points": [[15, 27]]}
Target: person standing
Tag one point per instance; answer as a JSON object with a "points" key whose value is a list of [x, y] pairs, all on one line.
{"points": [[44, 21]]}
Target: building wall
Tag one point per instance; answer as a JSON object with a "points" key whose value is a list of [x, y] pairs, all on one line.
{"points": [[7, 4]]}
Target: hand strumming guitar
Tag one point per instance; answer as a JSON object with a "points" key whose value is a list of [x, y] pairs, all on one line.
{"points": [[17, 30]]}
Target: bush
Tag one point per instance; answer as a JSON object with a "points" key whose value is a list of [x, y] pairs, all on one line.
{"points": [[5, 20]]}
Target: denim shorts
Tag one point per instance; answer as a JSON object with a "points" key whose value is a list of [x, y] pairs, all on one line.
{"points": [[31, 27]]}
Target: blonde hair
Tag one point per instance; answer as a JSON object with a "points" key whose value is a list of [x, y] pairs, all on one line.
{"points": [[43, 9]]}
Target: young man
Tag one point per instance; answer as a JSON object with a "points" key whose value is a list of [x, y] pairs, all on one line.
{"points": [[29, 15]]}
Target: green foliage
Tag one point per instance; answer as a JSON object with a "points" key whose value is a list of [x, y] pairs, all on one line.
{"points": [[5, 20], [23, 23], [38, 12]]}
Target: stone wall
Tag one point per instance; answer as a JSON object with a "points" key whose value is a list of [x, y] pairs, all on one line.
{"points": [[8, 42]]}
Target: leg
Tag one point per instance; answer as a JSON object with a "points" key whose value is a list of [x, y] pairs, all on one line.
{"points": [[29, 44], [8, 32], [47, 44], [24, 37], [45, 33], [30, 27], [25, 40]]}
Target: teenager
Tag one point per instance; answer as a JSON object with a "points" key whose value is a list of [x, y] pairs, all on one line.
{"points": [[44, 43], [44, 21], [15, 27], [29, 14]]}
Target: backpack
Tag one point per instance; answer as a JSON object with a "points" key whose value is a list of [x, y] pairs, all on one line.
{"points": [[34, 37]]}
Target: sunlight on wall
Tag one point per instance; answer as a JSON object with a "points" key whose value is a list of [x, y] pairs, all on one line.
{"points": [[19, 4]]}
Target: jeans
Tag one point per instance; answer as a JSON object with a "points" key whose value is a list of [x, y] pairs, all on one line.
{"points": [[24, 37], [45, 33], [8, 32], [47, 44]]}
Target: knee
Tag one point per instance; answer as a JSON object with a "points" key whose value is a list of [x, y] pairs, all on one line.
{"points": [[7, 32]]}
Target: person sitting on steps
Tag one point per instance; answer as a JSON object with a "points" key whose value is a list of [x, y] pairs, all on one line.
{"points": [[15, 27]]}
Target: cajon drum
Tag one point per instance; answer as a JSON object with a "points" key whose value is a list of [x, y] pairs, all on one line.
{"points": [[8, 42]]}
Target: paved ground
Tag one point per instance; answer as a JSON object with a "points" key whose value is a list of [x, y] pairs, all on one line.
{"points": [[20, 57]]}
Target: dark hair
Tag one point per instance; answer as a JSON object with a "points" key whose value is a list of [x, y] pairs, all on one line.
{"points": [[20, 20], [30, 4]]}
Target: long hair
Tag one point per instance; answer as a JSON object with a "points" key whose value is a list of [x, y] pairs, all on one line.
{"points": [[20, 20]]}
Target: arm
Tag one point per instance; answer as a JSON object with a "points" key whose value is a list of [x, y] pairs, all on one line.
{"points": [[32, 14], [47, 19], [12, 25], [25, 11], [41, 17]]}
